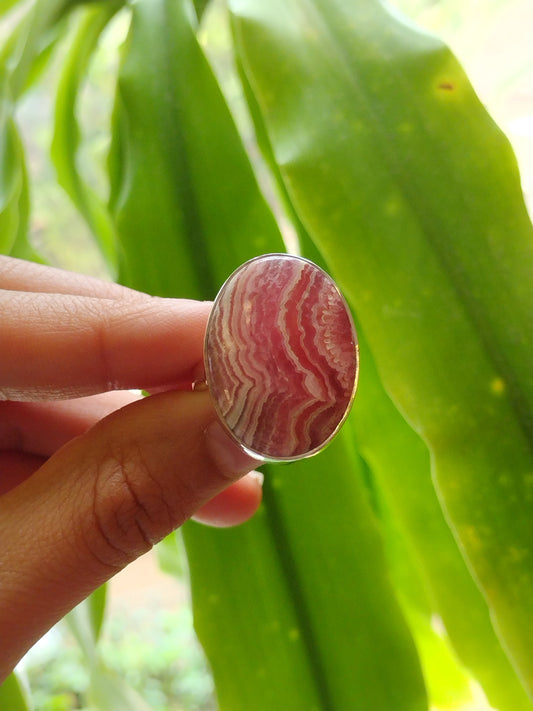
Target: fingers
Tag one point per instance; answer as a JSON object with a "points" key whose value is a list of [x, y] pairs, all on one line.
{"points": [[43, 427], [31, 432], [64, 346], [102, 500], [19, 275], [108, 490], [16, 468], [234, 505]]}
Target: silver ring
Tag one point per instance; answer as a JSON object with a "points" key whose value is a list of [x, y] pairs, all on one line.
{"points": [[281, 357]]}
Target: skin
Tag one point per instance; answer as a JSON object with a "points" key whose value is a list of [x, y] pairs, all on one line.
{"points": [[92, 475]]}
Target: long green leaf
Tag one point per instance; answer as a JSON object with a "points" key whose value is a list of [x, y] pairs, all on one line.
{"points": [[247, 622], [400, 467], [30, 45], [402, 472], [108, 692], [201, 6], [85, 622], [66, 139], [7, 5], [326, 569], [13, 183], [413, 196], [448, 682], [171, 556], [13, 695], [29, 42], [186, 201]]}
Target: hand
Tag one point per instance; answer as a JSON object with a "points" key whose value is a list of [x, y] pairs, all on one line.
{"points": [[91, 481]]}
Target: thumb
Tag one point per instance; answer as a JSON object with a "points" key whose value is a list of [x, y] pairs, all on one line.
{"points": [[102, 500]]}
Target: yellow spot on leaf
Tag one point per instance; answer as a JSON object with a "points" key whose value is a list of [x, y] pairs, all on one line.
{"points": [[497, 386]]}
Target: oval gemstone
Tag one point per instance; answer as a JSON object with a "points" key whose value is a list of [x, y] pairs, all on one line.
{"points": [[281, 357]]}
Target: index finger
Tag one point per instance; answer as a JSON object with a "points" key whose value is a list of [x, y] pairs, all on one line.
{"points": [[20, 275], [63, 346]]}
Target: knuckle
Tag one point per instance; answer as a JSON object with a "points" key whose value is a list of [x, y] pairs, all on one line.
{"points": [[130, 512]]}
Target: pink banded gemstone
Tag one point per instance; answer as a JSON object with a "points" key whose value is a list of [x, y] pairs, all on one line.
{"points": [[281, 357]]}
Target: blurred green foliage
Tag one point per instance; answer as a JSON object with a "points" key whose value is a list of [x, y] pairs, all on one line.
{"points": [[154, 651]]}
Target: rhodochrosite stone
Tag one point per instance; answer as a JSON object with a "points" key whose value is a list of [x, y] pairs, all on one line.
{"points": [[281, 357]]}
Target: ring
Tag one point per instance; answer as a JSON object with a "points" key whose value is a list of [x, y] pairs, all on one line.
{"points": [[281, 357]]}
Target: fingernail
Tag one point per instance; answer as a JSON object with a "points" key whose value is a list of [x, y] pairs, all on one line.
{"points": [[228, 456], [259, 477]]}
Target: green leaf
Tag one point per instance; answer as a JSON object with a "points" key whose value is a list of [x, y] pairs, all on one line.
{"points": [[51, 40], [402, 472], [13, 182], [96, 609], [302, 591], [85, 622], [201, 7], [30, 45], [401, 477], [66, 139], [27, 47], [13, 695], [22, 248], [170, 556], [108, 692], [246, 620], [412, 195], [7, 5], [187, 205], [448, 683]]}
